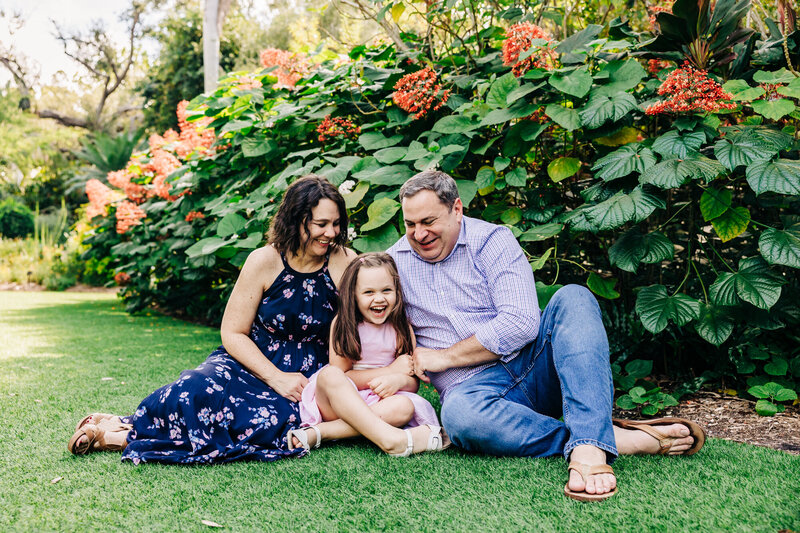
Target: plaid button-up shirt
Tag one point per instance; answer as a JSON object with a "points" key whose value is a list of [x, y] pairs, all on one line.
{"points": [[485, 287]]}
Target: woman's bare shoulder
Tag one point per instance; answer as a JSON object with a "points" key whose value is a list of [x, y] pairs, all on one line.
{"points": [[264, 263], [343, 256]]}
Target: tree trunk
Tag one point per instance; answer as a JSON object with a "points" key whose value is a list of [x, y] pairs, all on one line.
{"points": [[213, 19]]}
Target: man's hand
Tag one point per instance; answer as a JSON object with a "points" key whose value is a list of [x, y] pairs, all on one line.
{"points": [[288, 384], [426, 360], [388, 385]]}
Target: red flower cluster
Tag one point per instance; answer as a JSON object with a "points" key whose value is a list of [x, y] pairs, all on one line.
{"points": [[331, 128], [100, 195], [690, 89], [128, 215], [194, 215], [654, 66], [519, 38], [655, 10], [419, 92], [291, 67], [122, 278]]}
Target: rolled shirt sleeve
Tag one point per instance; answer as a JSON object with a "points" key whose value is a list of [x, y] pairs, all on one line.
{"points": [[513, 291]]}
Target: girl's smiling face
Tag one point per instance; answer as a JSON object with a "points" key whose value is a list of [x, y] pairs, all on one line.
{"points": [[376, 294]]}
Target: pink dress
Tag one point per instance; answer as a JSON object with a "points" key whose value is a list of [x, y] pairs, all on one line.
{"points": [[378, 344]]}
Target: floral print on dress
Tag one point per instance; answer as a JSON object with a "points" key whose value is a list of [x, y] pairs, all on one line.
{"points": [[220, 412]]}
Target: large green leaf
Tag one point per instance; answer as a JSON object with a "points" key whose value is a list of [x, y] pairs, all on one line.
{"points": [[792, 90], [519, 92], [633, 248], [620, 163], [230, 224], [781, 176], [773, 109], [517, 177], [567, 118], [541, 233], [732, 223], [545, 292], [656, 308], [374, 140], [255, 146], [380, 212], [576, 83], [781, 247], [672, 173], [205, 246], [715, 325], [741, 150], [602, 108], [774, 77], [754, 283], [466, 191], [389, 175], [499, 116], [741, 91], [714, 202], [353, 198], [603, 287], [562, 168], [500, 89], [681, 145], [387, 156], [377, 241], [622, 208], [485, 177], [621, 76], [455, 124]]}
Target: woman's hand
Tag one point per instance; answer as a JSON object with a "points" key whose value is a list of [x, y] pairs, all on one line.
{"points": [[403, 364], [388, 385], [290, 385]]}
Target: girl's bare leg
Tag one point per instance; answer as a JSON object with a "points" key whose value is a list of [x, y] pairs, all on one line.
{"points": [[337, 398], [395, 410]]}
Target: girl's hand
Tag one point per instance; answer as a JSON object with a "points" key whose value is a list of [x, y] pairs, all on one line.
{"points": [[403, 364], [290, 385], [388, 385]]}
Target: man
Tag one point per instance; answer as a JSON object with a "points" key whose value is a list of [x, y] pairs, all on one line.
{"points": [[505, 373]]}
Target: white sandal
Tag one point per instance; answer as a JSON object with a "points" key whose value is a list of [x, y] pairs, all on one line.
{"points": [[302, 435], [436, 442]]}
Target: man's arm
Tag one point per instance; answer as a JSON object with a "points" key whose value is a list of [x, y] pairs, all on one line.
{"points": [[468, 352]]}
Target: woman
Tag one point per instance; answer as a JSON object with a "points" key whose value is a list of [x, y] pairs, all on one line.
{"points": [[240, 403]]}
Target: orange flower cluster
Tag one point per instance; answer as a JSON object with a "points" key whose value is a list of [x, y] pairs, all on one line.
{"points": [[194, 135], [100, 195], [122, 180], [128, 215], [690, 89], [291, 67], [519, 38], [655, 10], [122, 278], [156, 141], [331, 128], [246, 83], [419, 92], [194, 215]]}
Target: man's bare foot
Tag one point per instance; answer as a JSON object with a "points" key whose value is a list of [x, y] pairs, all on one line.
{"points": [[594, 484], [635, 441]]}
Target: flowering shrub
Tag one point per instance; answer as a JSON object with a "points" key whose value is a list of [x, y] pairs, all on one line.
{"points": [[330, 128], [419, 93], [194, 215], [128, 215], [690, 89], [520, 38], [122, 278], [655, 10], [291, 67]]}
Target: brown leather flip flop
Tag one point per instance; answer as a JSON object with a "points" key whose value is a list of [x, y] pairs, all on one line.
{"points": [[96, 441], [665, 441], [585, 471]]}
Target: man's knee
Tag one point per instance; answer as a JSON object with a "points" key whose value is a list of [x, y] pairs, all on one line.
{"points": [[464, 419], [574, 295]]}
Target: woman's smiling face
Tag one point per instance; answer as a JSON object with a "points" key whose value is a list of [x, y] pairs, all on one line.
{"points": [[321, 229]]}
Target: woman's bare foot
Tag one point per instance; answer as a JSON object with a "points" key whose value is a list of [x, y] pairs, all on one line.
{"points": [[634, 441], [594, 484]]}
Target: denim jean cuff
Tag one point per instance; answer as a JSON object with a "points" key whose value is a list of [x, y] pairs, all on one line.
{"points": [[610, 449]]}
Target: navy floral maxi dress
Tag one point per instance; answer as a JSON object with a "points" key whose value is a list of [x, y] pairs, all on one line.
{"points": [[220, 412]]}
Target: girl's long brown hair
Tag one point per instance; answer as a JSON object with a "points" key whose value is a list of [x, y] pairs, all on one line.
{"points": [[344, 335]]}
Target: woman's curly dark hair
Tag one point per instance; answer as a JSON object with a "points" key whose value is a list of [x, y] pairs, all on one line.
{"points": [[294, 213]]}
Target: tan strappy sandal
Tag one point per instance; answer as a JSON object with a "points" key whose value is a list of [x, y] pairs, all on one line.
{"points": [[585, 471], [96, 438]]}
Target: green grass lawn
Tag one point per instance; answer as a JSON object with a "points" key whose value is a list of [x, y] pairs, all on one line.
{"points": [[57, 351]]}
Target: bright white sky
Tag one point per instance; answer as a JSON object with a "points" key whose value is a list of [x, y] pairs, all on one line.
{"points": [[36, 39]]}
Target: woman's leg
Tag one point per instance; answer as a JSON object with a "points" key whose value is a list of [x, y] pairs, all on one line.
{"points": [[337, 398]]}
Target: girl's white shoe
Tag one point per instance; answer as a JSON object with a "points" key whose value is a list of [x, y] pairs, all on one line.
{"points": [[302, 437], [436, 442]]}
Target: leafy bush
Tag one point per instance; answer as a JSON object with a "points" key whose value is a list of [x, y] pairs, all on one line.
{"points": [[16, 220], [667, 193]]}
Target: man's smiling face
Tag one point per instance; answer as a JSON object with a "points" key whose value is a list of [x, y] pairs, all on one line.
{"points": [[431, 228]]}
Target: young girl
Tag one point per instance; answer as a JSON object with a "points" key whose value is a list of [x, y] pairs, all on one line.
{"points": [[370, 341]]}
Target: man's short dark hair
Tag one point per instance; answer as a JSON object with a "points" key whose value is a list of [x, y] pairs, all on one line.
{"points": [[432, 180]]}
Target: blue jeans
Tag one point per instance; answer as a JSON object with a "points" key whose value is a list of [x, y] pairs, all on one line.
{"points": [[513, 408]]}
